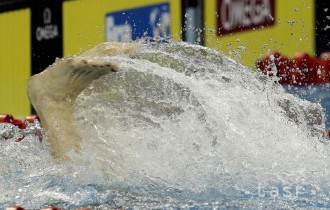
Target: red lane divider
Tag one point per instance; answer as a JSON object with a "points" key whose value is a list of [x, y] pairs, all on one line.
{"points": [[7, 118], [302, 69], [22, 124]]}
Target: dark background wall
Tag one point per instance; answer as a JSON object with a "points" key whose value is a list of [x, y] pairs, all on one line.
{"points": [[322, 26]]}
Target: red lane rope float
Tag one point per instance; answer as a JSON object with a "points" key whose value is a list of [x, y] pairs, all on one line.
{"points": [[21, 124], [7, 118], [32, 118], [300, 70]]}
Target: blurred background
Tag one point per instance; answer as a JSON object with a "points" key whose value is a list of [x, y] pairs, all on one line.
{"points": [[33, 33]]}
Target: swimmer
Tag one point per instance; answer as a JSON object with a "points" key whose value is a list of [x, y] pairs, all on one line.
{"points": [[54, 91]]}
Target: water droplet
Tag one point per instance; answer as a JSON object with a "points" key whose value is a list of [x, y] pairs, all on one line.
{"points": [[291, 22]]}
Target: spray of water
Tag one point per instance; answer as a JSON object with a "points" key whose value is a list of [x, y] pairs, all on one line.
{"points": [[178, 124]]}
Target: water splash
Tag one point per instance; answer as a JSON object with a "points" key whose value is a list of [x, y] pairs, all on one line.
{"points": [[9, 131], [178, 125]]}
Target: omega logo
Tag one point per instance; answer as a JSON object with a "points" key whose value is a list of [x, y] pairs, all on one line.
{"points": [[239, 15], [48, 31]]}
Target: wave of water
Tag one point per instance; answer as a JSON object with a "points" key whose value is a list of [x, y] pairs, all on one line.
{"points": [[178, 125]]}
